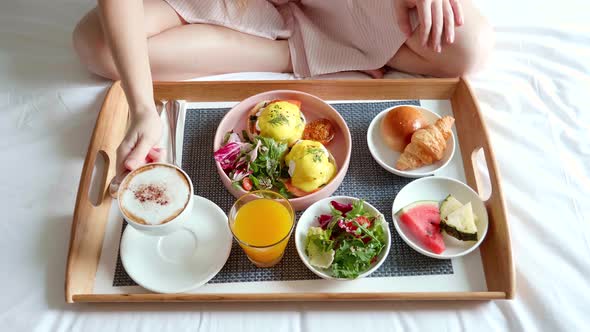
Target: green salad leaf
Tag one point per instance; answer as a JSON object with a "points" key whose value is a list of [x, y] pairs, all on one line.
{"points": [[354, 237], [358, 209], [319, 247], [353, 254], [267, 168]]}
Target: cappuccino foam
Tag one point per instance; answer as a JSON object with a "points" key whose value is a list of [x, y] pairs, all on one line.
{"points": [[155, 195]]}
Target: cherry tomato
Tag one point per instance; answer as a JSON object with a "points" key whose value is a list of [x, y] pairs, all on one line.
{"points": [[247, 184], [363, 221]]}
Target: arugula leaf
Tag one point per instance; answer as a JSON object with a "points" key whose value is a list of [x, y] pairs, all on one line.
{"points": [[267, 167], [378, 229], [353, 256], [363, 230], [255, 181], [236, 184], [358, 209]]}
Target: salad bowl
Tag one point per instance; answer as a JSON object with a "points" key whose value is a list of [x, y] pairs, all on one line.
{"points": [[312, 218], [312, 107]]}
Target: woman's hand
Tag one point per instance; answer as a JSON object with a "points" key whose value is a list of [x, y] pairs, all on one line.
{"points": [[124, 28], [139, 145], [437, 19]]}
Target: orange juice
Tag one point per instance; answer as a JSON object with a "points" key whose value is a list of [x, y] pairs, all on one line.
{"points": [[260, 225]]}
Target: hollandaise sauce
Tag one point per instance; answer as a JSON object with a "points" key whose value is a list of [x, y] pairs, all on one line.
{"points": [[310, 165], [281, 120]]}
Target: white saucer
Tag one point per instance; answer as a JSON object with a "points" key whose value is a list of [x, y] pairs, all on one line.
{"points": [[183, 260], [387, 158]]}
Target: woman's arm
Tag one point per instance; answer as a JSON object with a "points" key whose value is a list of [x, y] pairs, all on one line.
{"points": [[124, 28]]}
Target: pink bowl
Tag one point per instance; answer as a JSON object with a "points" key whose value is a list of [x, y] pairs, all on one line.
{"points": [[313, 108]]}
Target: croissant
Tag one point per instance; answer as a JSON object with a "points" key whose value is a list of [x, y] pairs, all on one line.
{"points": [[427, 145]]}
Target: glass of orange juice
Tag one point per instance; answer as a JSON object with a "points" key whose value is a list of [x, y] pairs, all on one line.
{"points": [[262, 222]]}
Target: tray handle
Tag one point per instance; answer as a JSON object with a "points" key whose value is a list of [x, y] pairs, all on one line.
{"points": [[496, 251], [89, 221], [483, 182]]}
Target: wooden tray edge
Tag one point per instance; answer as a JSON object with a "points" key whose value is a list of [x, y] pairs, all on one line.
{"points": [[425, 88], [89, 221], [262, 297], [496, 250]]}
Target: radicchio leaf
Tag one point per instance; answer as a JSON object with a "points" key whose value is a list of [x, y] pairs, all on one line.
{"points": [[324, 220], [241, 163], [239, 175], [227, 155], [344, 208], [234, 138], [253, 154]]}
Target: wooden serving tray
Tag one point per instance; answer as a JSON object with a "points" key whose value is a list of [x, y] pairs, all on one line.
{"points": [[90, 218]]}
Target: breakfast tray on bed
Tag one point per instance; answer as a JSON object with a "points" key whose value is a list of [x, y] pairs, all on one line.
{"points": [[239, 280]]}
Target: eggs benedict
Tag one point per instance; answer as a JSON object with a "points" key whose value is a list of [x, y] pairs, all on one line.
{"points": [[280, 120], [310, 166]]}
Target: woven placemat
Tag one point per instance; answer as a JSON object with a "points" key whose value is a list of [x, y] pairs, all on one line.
{"points": [[365, 179]]}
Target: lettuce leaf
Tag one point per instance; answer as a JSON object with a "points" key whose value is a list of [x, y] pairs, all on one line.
{"points": [[319, 247]]}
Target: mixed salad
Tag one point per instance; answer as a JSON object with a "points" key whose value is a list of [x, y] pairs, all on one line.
{"points": [[253, 164], [347, 241]]}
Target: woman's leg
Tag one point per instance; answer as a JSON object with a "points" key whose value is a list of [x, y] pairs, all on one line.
{"points": [[181, 51], [91, 46], [474, 41], [200, 49]]}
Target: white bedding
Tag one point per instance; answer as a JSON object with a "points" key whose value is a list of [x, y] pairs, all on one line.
{"points": [[535, 97]]}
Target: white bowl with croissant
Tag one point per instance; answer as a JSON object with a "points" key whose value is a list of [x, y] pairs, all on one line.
{"points": [[411, 141]]}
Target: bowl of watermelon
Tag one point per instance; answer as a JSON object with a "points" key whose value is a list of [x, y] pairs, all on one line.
{"points": [[342, 238], [440, 217]]}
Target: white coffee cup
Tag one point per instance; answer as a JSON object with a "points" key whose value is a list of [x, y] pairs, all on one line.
{"points": [[173, 222]]}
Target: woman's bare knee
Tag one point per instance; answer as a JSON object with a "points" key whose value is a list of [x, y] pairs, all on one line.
{"points": [[472, 50], [469, 52], [92, 49]]}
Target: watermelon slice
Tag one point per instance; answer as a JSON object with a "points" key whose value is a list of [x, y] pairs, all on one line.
{"points": [[422, 218]]}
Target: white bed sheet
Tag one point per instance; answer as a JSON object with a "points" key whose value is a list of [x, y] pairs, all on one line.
{"points": [[534, 96]]}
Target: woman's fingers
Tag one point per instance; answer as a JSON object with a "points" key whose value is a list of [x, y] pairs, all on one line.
{"points": [[425, 17], [437, 25], [458, 12], [156, 154], [449, 22], [123, 151], [138, 155]]}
